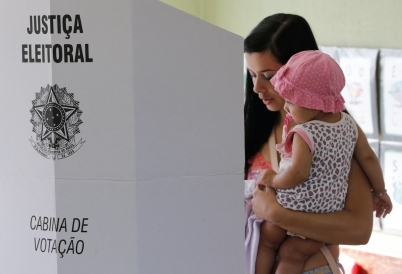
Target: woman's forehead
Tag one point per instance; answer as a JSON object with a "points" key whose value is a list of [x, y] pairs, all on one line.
{"points": [[261, 62]]}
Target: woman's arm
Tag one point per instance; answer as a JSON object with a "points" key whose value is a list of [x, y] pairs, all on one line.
{"points": [[352, 225]]}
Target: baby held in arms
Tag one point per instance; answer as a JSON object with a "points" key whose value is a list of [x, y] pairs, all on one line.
{"points": [[315, 154]]}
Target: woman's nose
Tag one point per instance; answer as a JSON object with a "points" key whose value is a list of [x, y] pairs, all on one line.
{"points": [[258, 87]]}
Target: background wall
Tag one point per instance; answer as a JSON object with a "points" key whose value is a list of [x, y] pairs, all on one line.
{"points": [[344, 23]]}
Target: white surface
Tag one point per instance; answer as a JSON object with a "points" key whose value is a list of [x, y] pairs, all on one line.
{"points": [[18, 84], [191, 225], [392, 170], [26, 180], [390, 79], [111, 237], [104, 89], [20, 199], [358, 67], [162, 107], [347, 263], [191, 90]]}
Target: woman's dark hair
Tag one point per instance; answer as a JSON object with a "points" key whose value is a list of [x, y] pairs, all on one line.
{"points": [[283, 35]]}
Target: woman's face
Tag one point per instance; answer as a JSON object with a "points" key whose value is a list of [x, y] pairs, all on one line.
{"points": [[262, 67]]}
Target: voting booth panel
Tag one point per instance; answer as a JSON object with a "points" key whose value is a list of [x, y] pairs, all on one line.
{"points": [[26, 180], [122, 148]]}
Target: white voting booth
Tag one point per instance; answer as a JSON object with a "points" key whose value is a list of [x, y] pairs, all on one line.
{"points": [[121, 141]]}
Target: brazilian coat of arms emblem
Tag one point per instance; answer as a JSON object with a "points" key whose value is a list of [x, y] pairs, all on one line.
{"points": [[56, 118]]}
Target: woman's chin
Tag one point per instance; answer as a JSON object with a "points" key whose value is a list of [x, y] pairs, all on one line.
{"points": [[274, 104], [274, 107]]}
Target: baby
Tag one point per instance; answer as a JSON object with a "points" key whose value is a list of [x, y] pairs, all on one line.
{"points": [[316, 154]]}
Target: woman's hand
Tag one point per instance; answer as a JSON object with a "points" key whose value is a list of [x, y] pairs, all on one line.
{"points": [[264, 202], [266, 177]]}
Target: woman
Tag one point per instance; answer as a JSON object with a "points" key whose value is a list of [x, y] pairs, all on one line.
{"points": [[269, 46]]}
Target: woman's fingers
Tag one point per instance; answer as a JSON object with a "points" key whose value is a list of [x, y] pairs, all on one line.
{"points": [[264, 202], [266, 177], [259, 201]]}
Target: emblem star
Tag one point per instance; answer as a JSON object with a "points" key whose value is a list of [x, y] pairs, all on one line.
{"points": [[54, 117]]}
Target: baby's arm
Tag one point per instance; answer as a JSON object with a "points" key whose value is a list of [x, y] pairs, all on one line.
{"points": [[371, 166], [369, 162], [299, 171]]}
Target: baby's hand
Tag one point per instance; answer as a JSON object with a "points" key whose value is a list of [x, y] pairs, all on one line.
{"points": [[382, 205], [266, 177]]}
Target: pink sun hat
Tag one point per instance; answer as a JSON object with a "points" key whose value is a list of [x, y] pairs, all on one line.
{"points": [[313, 80]]}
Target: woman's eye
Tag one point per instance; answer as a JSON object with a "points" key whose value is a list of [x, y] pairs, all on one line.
{"points": [[268, 77]]}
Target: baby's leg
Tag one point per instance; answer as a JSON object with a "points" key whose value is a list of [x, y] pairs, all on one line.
{"points": [[294, 252], [271, 238]]}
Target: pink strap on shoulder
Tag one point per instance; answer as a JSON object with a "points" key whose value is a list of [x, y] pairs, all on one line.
{"points": [[303, 134]]}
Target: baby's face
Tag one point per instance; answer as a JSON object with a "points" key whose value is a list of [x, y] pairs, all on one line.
{"points": [[300, 114]]}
